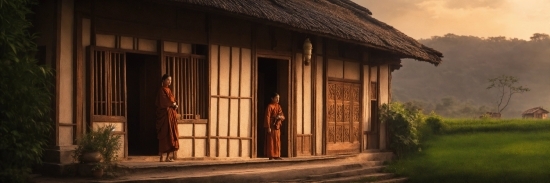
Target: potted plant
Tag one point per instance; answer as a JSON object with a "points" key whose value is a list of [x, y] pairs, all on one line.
{"points": [[97, 149]]}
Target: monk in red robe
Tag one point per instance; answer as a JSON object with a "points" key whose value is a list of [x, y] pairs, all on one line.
{"points": [[274, 118], [167, 123]]}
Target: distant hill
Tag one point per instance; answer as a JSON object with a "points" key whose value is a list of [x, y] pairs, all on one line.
{"points": [[457, 87]]}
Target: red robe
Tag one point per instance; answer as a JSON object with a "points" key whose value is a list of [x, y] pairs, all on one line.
{"points": [[167, 123], [273, 140]]}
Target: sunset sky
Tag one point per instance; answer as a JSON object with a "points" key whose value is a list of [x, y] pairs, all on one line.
{"points": [[482, 18]]}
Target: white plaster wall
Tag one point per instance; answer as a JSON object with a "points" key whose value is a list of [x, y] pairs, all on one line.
{"points": [[352, 70], [104, 40], [335, 68], [231, 70], [147, 45], [170, 47], [65, 73], [213, 70]]}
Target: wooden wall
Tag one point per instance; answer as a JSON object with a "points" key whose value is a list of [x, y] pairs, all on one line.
{"points": [[230, 120]]}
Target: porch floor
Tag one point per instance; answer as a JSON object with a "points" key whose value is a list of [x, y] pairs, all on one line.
{"points": [[353, 167]]}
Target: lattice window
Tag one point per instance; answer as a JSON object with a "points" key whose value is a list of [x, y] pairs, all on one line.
{"points": [[108, 74], [374, 91], [189, 84]]}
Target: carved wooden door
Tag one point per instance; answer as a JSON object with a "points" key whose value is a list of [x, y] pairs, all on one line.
{"points": [[343, 116], [107, 90]]}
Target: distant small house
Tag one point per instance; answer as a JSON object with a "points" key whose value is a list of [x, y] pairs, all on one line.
{"points": [[537, 113]]}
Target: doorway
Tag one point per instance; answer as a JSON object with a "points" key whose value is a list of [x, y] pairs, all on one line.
{"points": [[143, 82], [273, 76]]}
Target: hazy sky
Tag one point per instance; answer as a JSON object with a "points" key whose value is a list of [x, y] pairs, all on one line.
{"points": [[482, 18]]}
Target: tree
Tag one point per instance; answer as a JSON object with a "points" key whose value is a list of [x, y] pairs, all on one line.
{"points": [[505, 87], [25, 100], [540, 37]]}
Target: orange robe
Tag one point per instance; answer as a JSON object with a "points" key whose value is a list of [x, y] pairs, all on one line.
{"points": [[167, 123], [273, 140]]}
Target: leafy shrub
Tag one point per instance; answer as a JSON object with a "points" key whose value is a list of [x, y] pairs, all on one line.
{"points": [[402, 126], [435, 123], [101, 140], [25, 100]]}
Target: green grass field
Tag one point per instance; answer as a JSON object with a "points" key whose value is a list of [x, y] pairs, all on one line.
{"points": [[489, 151]]}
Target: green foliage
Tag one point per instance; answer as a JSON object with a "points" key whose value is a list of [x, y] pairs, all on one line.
{"points": [[101, 140], [479, 157], [402, 126], [435, 123], [25, 100], [495, 125]]}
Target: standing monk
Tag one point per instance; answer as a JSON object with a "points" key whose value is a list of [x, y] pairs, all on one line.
{"points": [[274, 118], [167, 123]]}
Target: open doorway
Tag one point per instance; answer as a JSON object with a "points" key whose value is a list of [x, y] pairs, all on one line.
{"points": [[143, 82], [273, 76]]}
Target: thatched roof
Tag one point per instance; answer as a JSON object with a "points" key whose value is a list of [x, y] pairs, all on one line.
{"points": [[342, 19], [539, 110]]}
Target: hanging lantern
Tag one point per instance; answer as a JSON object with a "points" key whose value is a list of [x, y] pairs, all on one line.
{"points": [[307, 51]]}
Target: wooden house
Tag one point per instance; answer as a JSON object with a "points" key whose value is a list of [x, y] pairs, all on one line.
{"points": [[535, 113], [225, 58]]}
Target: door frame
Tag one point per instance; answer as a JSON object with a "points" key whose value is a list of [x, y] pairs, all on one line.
{"points": [[290, 130]]}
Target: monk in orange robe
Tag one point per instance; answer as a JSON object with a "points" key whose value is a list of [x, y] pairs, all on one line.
{"points": [[167, 123], [274, 118]]}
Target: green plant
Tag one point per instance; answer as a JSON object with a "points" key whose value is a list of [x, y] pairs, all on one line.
{"points": [[101, 140], [435, 123], [402, 125], [25, 97]]}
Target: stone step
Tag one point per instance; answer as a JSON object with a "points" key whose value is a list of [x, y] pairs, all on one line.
{"points": [[244, 174], [142, 169]]}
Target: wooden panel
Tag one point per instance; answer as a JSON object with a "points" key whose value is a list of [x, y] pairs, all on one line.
{"points": [[234, 148], [224, 71], [223, 147], [213, 147], [223, 119], [214, 58], [200, 147], [186, 148], [185, 129], [234, 118], [303, 145], [246, 70], [245, 122], [200, 130], [245, 148], [235, 72], [343, 117], [213, 116]]}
